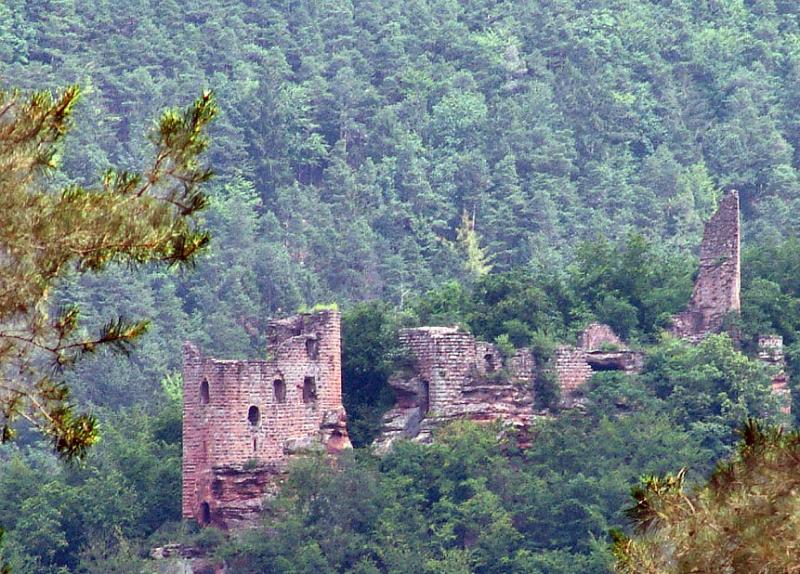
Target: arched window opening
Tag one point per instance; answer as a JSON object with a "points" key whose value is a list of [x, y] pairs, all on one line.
{"points": [[205, 395], [253, 416], [312, 348], [424, 397], [309, 390], [279, 387], [205, 514], [489, 360]]}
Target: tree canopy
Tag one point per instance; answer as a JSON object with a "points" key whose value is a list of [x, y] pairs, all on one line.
{"points": [[742, 520]]}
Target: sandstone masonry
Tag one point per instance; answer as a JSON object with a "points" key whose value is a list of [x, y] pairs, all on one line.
{"points": [[770, 350], [598, 349], [456, 376], [716, 291], [242, 420]]}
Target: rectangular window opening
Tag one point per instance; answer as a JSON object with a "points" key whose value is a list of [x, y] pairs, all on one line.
{"points": [[309, 390]]}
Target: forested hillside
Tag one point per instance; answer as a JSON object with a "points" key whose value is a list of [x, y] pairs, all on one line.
{"points": [[353, 136], [519, 167]]}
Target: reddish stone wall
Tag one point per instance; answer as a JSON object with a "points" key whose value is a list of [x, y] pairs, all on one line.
{"points": [[457, 377], [220, 438], [716, 291], [597, 336], [573, 372], [599, 348]]}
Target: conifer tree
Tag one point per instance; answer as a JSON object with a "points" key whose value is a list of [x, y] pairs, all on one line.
{"points": [[48, 235], [743, 520]]}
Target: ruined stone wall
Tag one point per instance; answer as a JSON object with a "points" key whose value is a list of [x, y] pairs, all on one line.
{"points": [[456, 376], [573, 372], [444, 357], [598, 336], [598, 349], [716, 291], [243, 419]]}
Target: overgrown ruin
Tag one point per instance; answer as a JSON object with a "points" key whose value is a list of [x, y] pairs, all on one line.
{"points": [[243, 420], [716, 290], [456, 376], [598, 349]]}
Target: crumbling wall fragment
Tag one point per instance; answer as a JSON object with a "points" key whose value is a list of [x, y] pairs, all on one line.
{"points": [[598, 349], [770, 350], [716, 291], [597, 336], [454, 377]]}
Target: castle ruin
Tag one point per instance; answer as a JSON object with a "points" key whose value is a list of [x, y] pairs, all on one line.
{"points": [[456, 376], [716, 290], [598, 349], [243, 420]]}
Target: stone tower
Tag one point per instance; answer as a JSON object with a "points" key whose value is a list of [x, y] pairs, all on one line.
{"points": [[242, 420], [716, 291]]}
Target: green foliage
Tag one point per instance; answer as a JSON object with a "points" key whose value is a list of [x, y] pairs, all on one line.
{"points": [[710, 387], [4, 568], [351, 142], [371, 353], [770, 290], [505, 346], [468, 503], [111, 554], [725, 526], [48, 234], [476, 260], [92, 513], [631, 288], [547, 391], [172, 385], [319, 307]]}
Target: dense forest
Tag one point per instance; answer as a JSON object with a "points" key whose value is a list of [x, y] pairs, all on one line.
{"points": [[520, 168]]}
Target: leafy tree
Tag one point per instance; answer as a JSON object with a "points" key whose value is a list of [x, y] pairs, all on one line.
{"points": [[370, 355], [710, 387]]}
